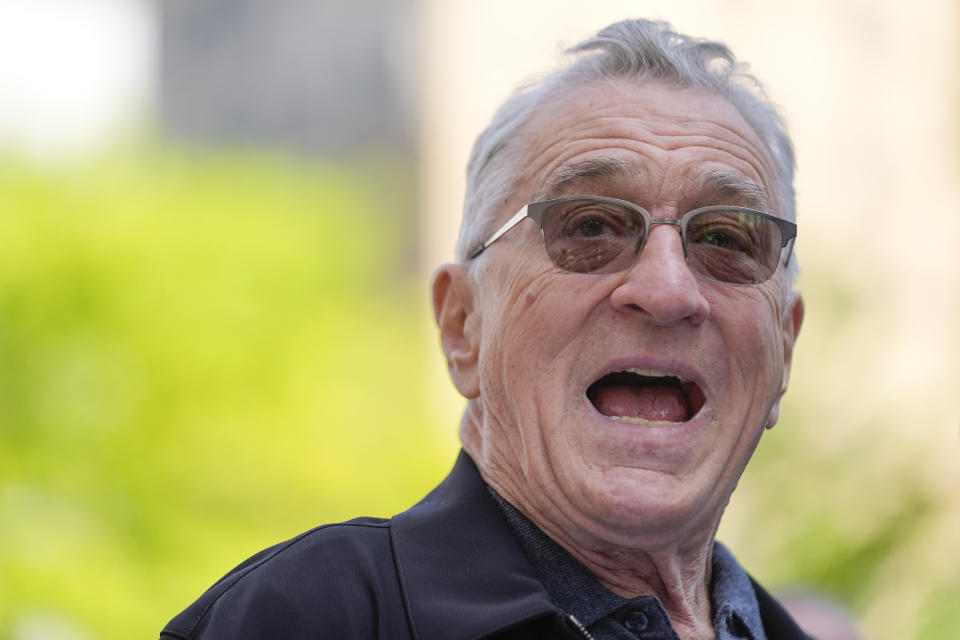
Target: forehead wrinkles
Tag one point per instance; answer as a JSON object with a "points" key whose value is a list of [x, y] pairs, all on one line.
{"points": [[560, 137], [564, 153], [726, 139]]}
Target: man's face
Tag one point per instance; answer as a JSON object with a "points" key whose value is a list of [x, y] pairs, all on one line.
{"points": [[621, 405]]}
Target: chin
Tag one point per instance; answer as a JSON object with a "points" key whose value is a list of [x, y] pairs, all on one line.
{"points": [[638, 506]]}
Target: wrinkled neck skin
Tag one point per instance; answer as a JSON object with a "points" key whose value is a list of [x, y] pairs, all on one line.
{"points": [[675, 568]]}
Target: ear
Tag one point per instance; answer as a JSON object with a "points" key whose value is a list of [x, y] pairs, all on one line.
{"points": [[453, 311], [792, 319]]}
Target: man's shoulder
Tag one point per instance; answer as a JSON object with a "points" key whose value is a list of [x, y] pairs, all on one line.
{"points": [[355, 541], [283, 591], [448, 567]]}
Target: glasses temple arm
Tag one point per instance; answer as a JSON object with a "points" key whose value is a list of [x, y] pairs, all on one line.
{"points": [[509, 224]]}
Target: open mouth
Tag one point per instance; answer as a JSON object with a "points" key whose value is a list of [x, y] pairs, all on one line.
{"points": [[636, 395]]}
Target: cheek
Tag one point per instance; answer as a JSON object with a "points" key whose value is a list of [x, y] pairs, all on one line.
{"points": [[750, 322], [508, 327], [538, 314], [538, 317]]}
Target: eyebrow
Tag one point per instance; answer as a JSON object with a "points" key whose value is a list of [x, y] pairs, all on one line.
{"points": [[570, 175], [726, 184]]}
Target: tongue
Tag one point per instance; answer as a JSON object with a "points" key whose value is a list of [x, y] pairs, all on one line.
{"points": [[649, 402]]}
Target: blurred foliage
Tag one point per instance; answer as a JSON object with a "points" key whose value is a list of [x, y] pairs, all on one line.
{"points": [[203, 354]]}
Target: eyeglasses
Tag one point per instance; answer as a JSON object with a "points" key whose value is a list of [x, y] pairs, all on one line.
{"points": [[594, 234]]}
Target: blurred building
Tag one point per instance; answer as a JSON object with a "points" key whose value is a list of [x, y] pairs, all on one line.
{"points": [[318, 76], [74, 76]]}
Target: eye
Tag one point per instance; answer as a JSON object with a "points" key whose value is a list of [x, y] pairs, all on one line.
{"points": [[733, 245], [723, 232], [722, 239], [592, 227], [595, 222], [587, 236]]}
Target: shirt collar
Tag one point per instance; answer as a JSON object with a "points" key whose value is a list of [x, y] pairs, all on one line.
{"points": [[733, 597], [573, 588]]}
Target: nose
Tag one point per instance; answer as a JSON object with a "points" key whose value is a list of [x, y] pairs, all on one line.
{"points": [[660, 284]]}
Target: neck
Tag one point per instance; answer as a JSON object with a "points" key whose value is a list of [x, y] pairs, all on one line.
{"points": [[679, 574], [675, 567], [680, 578]]}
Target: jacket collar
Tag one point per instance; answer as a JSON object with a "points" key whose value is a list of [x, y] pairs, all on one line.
{"points": [[461, 570]]}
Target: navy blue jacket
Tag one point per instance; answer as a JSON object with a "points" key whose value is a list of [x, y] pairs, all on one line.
{"points": [[450, 568]]}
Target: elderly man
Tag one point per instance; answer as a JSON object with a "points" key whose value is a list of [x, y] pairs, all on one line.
{"points": [[621, 353]]}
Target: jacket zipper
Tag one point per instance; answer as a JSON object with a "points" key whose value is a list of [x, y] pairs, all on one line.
{"points": [[582, 629]]}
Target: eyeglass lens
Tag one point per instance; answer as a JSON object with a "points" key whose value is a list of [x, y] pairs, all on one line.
{"points": [[725, 244]]}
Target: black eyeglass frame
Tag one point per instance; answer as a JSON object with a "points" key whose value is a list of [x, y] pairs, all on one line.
{"points": [[535, 211]]}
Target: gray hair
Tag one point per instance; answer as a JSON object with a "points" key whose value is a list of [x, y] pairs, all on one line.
{"points": [[632, 49]]}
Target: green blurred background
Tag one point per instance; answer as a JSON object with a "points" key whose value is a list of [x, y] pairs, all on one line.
{"points": [[202, 354], [212, 340]]}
